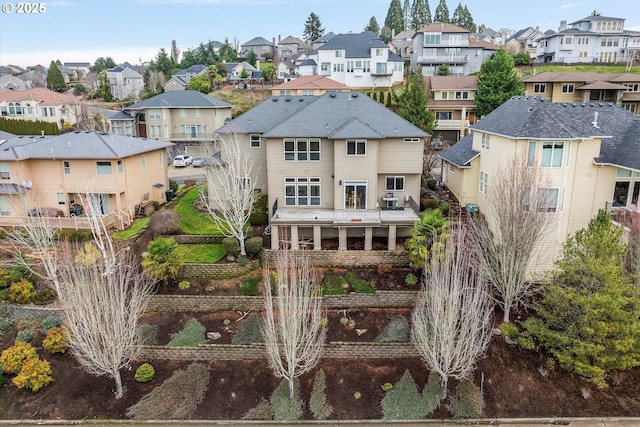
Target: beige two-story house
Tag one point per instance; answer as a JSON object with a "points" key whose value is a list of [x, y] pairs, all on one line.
{"points": [[48, 173], [338, 165], [589, 151], [452, 100]]}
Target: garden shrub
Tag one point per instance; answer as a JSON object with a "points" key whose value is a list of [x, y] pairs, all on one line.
{"points": [[243, 260], [333, 285], [231, 246], [411, 279], [22, 291], [428, 204], [260, 412], [397, 330], [320, 408], [4, 324], [44, 297], [34, 375], [74, 235], [431, 393], [360, 286], [281, 407], [149, 334], [56, 341], [386, 387], [1, 376], [144, 373], [249, 286], [509, 330], [431, 183], [254, 245], [465, 403], [51, 321], [24, 336], [173, 186], [17, 272], [249, 331], [192, 335], [259, 214], [184, 284], [445, 207], [14, 357], [527, 342], [403, 401], [175, 399]]}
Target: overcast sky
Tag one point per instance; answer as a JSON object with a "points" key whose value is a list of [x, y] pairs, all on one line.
{"points": [[135, 30]]}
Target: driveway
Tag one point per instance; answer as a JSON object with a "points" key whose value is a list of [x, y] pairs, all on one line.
{"points": [[180, 174]]}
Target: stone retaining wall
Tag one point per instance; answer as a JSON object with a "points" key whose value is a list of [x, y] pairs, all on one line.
{"points": [[30, 312], [334, 350], [192, 239], [205, 303], [217, 271], [332, 258]]}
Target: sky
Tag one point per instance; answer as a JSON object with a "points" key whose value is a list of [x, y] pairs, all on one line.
{"points": [[135, 30]]}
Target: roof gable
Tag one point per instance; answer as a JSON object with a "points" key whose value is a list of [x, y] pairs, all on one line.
{"points": [[180, 99]]}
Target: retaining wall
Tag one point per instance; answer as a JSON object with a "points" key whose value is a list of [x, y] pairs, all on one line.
{"points": [[356, 258]]}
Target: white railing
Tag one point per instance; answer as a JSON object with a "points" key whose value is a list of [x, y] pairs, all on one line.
{"points": [[449, 124], [443, 59], [67, 223]]}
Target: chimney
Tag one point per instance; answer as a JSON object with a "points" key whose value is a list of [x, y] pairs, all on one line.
{"points": [[563, 26]]}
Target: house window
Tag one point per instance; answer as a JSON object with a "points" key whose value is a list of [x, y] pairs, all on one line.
{"points": [[462, 95], [325, 68], [356, 147], [155, 131], [302, 191], [144, 162], [631, 87], [531, 153], [285, 93], [484, 182], [338, 54], [350, 67], [153, 113], [338, 68], [432, 38], [120, 166], [183, 112], [395, 183], [66, 166], [444, 115], [254, 140], [552, 154], [623, 173], [486, 141], [302, 149], [567, 87], [5, 207], [548, 199], [243, 183], [4, 171], [629, 107], [104, 168], [196, 112], [539, 88], [412, 140], [61, 199], [308, 92]]}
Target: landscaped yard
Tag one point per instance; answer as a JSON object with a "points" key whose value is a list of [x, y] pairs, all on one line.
{"points": [[193, 221], [201, 252]]}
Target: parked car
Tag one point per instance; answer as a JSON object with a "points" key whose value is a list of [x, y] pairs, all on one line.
{"points": [[182, 161], [197, 162]]}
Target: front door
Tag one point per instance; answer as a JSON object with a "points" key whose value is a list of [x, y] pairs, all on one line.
{"points": [[355, 195]]}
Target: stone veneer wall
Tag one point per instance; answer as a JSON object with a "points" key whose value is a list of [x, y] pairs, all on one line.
{"points": [[355, 258]]}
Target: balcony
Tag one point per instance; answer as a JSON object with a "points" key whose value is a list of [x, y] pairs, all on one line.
{"points": [[443, 59], [623, 216], [192, 136], [451, 124]]}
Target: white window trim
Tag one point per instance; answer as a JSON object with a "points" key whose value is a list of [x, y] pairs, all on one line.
{"points": [[356, 142]]}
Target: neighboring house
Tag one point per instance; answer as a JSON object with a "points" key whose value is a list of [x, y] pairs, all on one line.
{"points": [[38, 104], [402, 44], [48, 173], [621, 89], [437, 44], [187, 117], [315, 44], [339, 165], [525, 40], [589, 151], [181, 79], [9, 82], [591, 39], [235, 69], [125, 83], [260, 46], [289, 46], [34, 78], [290, 67], [452, 100], [357, 60], [308, 85], [83, 67]]}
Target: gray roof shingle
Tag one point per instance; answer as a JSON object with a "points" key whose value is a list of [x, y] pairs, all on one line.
{"points": [[355, 45], [461, 153], [180, 99]]}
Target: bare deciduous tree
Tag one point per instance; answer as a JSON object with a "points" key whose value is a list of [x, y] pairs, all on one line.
{"points": [[292, 322], [231, 194], [518, 212], [101, 290], [451, 323]]}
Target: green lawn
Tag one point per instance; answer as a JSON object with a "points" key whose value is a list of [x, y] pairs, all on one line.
{"points": [[201, 252], [607, 69], [191, 220], [137, 226]]}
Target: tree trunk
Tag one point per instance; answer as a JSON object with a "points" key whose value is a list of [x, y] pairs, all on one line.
{"points": [[290, 389], [118, 385], [444, 381], [507, 311], [243, 251]]}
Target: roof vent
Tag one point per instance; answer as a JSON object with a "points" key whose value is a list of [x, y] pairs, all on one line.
{"points": [[287, 99], [355, 94], [595, 120], [274, 99], [332, 95]]}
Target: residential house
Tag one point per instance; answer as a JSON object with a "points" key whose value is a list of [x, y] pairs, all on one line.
{"points": [[48, 173], [315, 44], [437, 44], [338, 165], [36, 77], [591, 39], [621, 89], [357, 60], [236, 69], [186, 117], [262, 47], [452, 100], [181, 79], [125, 83], [83, 67], [402, 44], [290, 46], [290, 68], [38, 104], [525, 40], [308, 86], [589, 151], [10, 82]]}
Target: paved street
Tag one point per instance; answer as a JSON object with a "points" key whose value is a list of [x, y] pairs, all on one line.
{"points": [[189, 172]]}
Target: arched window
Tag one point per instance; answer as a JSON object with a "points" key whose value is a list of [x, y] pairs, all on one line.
{"points": [[29, 109], [12, 109], [18, 108]]}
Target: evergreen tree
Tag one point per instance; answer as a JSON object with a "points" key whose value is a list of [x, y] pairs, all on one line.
{"points": [[386, 34], [413, 103], [252, 58], [589, 314], [104, 89], [394, 19], [373, 26], [102, 64], [442, 13], [497, 82], [467, 22], [458, 16], [444, 70], [313, 28], [163, 63], [227, 52], [55, 80], [200, 83], [406, 14], [420, 14]]}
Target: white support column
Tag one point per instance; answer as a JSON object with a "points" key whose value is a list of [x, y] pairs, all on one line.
{"points": [[294, 238], [342, 239], [392, 237], [317, 237], [275, 238], [368, 238]]}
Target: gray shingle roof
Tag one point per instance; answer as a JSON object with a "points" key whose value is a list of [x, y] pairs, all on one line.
{"points": [[526, 117], [461, 153], [180, 98], [355, 45], [77, 145]]}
